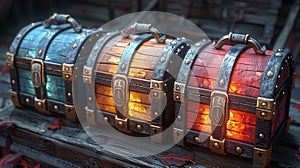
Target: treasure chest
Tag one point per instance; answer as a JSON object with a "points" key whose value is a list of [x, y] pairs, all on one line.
{"points": [[233, 96], [130, 78], [41, 61]]}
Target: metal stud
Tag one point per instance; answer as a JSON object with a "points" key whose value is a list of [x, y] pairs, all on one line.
{"points": [[197, 139], [283, 93], [276, 86], [67, 76], [55, 107], [179, 117], [173, 42], [187, 61], [163, 59], [13, 82], [197, 44], [216, 145], [155, 85], [222, 82], [278, 76], [105, 119], [280, 49], [264, 104], [177, 87], [281, 68], [120, 123], [183, 38], [96, 48], [139, 127], [273, 113], [155, 94], [177, 97], [40, 52], [123, 67], [261, 136], [69, 94], [278, 54], [90, 98], [270, 74], [74, 45], [27, 101], [39, 104], [171, 62], [155, 114], [238, 150], [263, 114], [19, 36]]}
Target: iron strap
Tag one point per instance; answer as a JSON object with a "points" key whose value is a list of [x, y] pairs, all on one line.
{"points": [[120, 85], [266, 102], [180, 86], [219, 99], [128, 53], [158, 95], [14, 50], [44, 43]]}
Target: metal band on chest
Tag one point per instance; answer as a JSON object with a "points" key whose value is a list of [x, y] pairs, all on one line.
{"points": [[160, 80], [180, 87], [219, 113], [120, 84], [88, 76], [10, 61]]}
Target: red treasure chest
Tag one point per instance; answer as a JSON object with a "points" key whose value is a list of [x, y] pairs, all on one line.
{"points": [[234, 98]]}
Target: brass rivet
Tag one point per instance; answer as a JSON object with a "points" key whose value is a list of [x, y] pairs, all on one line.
{"points": [[177, 97], [74, 45], [155, 85], [261, 136], [264, 104], [177, 87], [105, 119], [90, 98], [155, 114], [285, 60], [139, 127], [276, 86], [238, 150], [67, 68], [263, 114], [278, 76], [69, 94], [27, 101], [67, 76], [187, 61], [19, 36], [173, 42], [179, 117], [273, 113], [123, 67], [40, 52], [13, 82], [280, 49], [55, 107], [163, 59], [216, 145], [120, 123], [155, 94], [278, 54], [165, 84], [197, 139], [171, 62], [270, 74], [222, 82], [39, 104]]}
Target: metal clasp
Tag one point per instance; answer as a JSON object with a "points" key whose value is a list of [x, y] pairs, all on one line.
{"points": [[87, 75], [37, 73], [217, 146], [265, 108], [218, 108], [40, 105], [122, 124], [67, 71], [179, 91], [10, 57]]}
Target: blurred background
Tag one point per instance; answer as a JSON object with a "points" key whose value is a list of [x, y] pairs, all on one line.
{"points": [[275, 23]]}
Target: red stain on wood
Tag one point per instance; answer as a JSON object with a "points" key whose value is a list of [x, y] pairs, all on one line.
{"points": [[56, 124], [4, 69], [297, 105], [178, 159], [297, 75]]}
